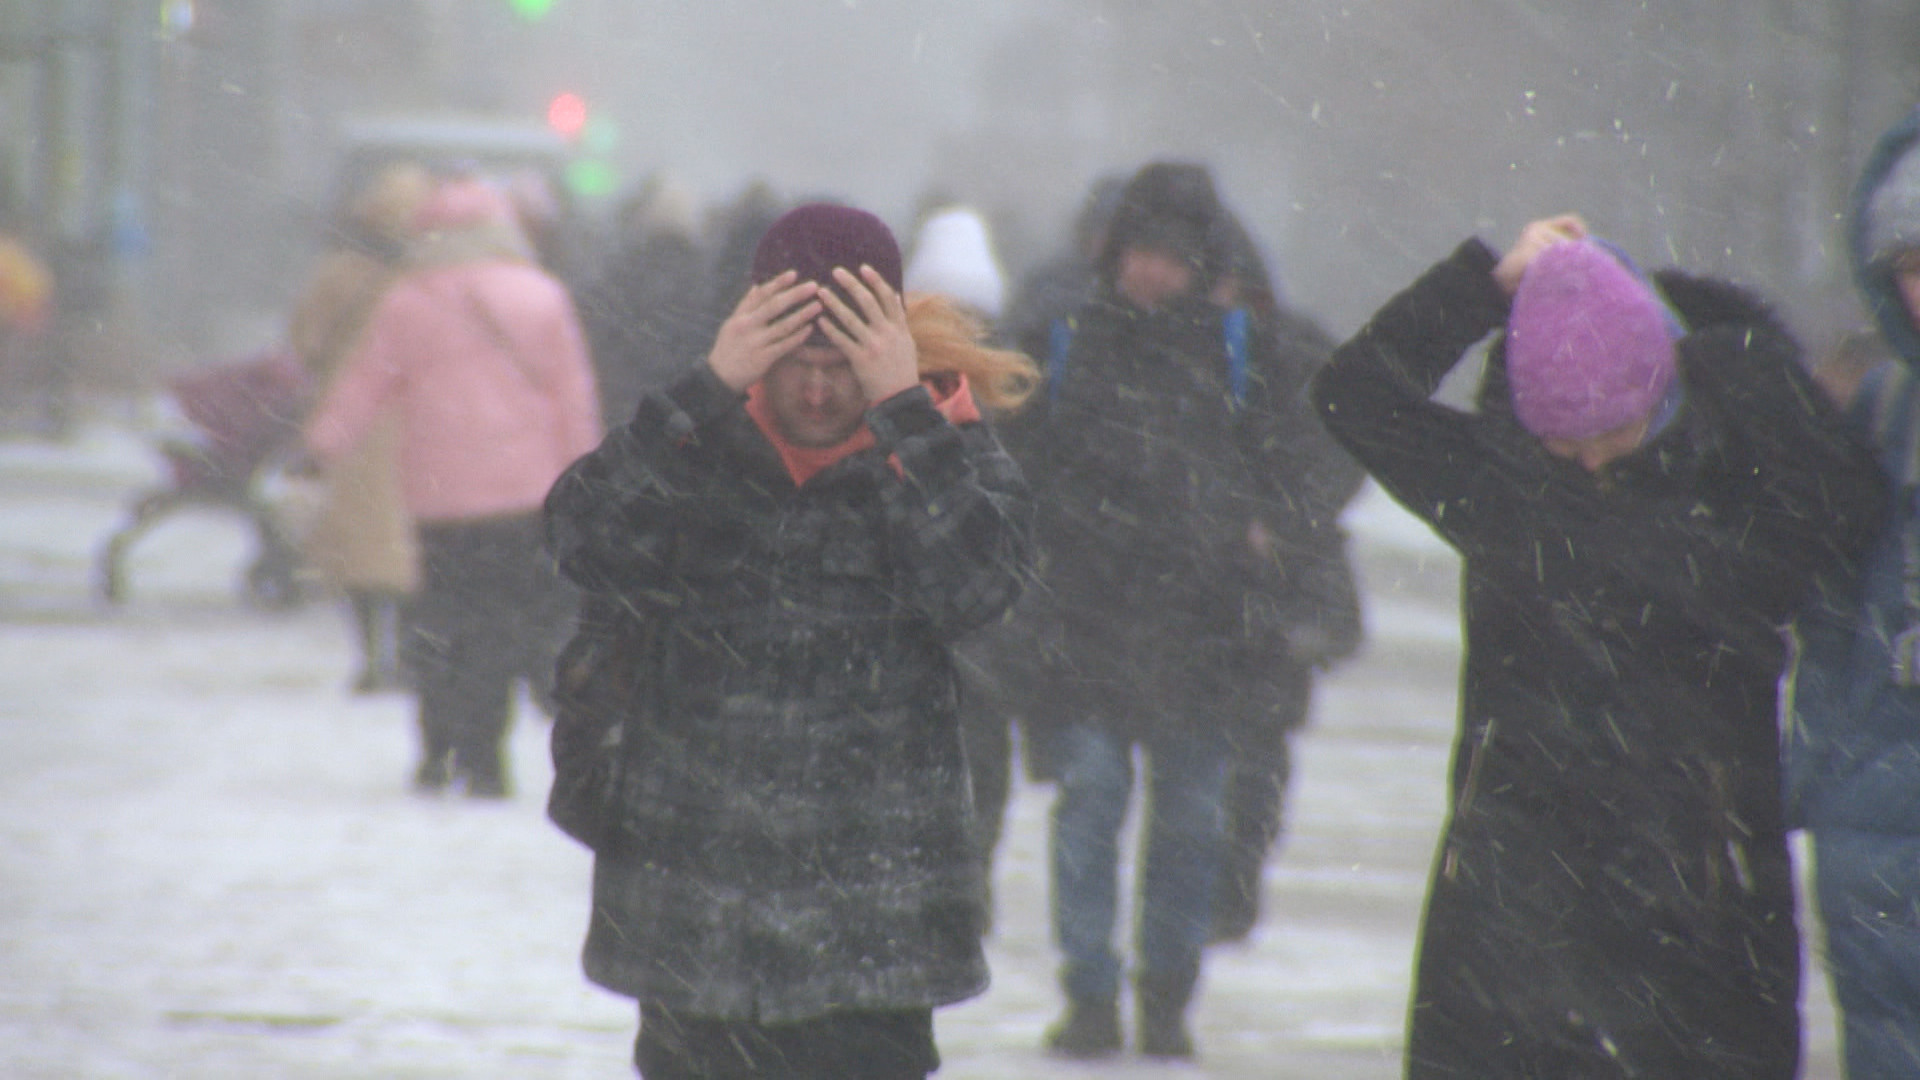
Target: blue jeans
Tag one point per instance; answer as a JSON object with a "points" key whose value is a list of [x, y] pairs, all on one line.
{"points": [[1868, 886], [1184, 843]]}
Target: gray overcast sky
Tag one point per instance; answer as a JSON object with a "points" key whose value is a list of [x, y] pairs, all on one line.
{"points": [[842, 96]]}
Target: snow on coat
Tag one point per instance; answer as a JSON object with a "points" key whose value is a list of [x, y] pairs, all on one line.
{"points": [[792, 831], [1150, 470], [1613, 893]]}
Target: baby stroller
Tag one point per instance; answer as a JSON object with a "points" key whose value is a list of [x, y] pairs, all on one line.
{"points": [[244, 417]]}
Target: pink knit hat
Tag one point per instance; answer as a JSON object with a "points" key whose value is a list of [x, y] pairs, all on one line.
{"points": [[1590, 345]]}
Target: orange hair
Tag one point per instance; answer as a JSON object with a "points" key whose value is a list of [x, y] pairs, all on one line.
{"points": [[951, 339]]}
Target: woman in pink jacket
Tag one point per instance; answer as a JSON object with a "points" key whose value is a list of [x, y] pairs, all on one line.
{"points": [[479, 353]]}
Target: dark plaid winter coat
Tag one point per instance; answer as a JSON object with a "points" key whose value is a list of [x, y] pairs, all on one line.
{"points": [[790, 827], [1613, 895]]}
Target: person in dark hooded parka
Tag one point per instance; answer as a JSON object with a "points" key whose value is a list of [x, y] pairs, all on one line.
{"points": [[1645, 496], [1187, 498], [1853, 748]]}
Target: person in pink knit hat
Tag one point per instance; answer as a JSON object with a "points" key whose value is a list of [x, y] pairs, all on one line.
{"points": [[1650, 487], [479, 354]]}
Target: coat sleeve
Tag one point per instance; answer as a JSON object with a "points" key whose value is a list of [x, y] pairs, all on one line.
{"points": [[1465, 475], [958, 513], [369, 379], [612, 517]]}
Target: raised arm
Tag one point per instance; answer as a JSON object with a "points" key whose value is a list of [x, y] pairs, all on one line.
{"points": [[1375, 396]]}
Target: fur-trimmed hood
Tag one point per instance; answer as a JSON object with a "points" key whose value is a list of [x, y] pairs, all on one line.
{"points": [[1865, 235]]}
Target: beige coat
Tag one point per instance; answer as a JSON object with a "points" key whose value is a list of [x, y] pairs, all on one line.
{"points": [[363, 537]]}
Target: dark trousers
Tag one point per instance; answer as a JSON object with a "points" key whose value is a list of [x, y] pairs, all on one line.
{"points": [[488, 614], [858, 1045], [1257, 793]]}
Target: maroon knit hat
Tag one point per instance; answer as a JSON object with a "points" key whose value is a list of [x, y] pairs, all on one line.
{"points": [[816, 237]]}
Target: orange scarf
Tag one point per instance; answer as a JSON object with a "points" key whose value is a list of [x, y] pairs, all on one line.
{"points": [[951, 396]]}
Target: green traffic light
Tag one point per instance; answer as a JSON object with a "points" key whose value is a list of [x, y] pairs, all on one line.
{"points": [[592, 178], [531, 10]]}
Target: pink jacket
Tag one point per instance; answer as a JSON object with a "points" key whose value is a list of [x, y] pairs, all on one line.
{"points": [[488, 370]]}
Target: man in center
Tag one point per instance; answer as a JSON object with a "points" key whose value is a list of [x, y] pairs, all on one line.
{"points": [[758, 733], [1187, 515]]}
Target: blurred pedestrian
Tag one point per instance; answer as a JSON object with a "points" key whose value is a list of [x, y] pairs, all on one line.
{"points": [[1853, 747], [1181, 482], [645, 310], [952, 255], [480, 353], [761, 742], [733, 234], [1645, 495], [361, 539], [1016, 665], [1261, 768]]}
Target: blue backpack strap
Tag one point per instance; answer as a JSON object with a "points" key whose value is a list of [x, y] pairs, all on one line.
{"points": [[1234, 328], [1059, 344]]}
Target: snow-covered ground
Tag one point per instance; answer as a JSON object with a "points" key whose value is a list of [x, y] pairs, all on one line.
{"points": [[211, 867]]}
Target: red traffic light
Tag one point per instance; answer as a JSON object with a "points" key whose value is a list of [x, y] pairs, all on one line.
{"points": [[567, 114]]}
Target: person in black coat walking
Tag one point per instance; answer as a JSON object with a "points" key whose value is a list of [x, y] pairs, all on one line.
{"points": [[1647, 493], [758, 732], [1186, 493]]}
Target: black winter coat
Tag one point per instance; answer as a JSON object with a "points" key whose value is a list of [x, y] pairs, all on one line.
{"points": [[1149, 470], [790, 831], [1613, 894]]}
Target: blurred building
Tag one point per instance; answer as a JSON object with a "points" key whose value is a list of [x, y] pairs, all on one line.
{"points": [[181, 157], [1363, 140]]}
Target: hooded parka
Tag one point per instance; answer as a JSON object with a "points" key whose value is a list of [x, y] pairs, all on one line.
{"points": [[1613, 894], [1853, 743]]}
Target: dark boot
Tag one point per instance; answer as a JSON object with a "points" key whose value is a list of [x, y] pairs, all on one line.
{"points": [[1091, 1029], [484, 770], [434, 773], [1163, 998]]}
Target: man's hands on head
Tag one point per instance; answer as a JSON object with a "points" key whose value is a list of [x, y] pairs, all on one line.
{"points": [[875, 339], [1535, 237], [771, 320]]}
